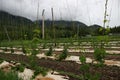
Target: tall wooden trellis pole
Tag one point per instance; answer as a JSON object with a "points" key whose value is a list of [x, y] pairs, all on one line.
{"points": [[105, 14], [43, 24], [38, 12], [7, 33], [53, 23]]}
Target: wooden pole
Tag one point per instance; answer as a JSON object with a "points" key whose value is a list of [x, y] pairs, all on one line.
{"points": [[43, 25], [7, 33], [78, 31], [38, 11], [105, 14], [53, 23]]}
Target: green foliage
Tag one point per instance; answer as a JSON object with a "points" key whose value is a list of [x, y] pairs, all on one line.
{"points": [[49, 53], [63, 55], [107, 30], [12, 50], [18, 68], [115, 30], [36, 33], [34, 48], [99, 55], [94, 77], [5, 49], [1, 60], [22, 28], [89, 76], [35, 40], [34, 51], [85, 68], [105, 21], [44, 45], [24, 50], [32, 61], [40, 70], [82, 59], [9, 76]]}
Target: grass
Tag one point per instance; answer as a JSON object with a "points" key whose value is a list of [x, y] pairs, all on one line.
{"points": [[60, 40], [9, 76], [14, 43]]}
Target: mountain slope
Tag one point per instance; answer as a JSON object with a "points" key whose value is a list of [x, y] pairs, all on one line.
{"points": [[8, 19], [18, 27]]}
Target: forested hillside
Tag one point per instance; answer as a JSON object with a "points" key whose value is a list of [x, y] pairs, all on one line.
{"points": [[22, 28]]}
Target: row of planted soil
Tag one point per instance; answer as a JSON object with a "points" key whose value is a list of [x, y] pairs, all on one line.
{"points": [[108, 72]]}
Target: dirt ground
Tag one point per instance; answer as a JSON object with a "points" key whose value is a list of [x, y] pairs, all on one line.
{"points": [[108, 72]]}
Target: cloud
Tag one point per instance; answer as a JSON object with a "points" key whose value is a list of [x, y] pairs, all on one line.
{"points": [[87, 11]]}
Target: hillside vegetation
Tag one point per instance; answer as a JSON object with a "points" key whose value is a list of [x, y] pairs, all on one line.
{"points": [[22, 28]]}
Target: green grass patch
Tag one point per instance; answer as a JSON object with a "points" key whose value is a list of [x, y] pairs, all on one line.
{"points": [[9, 76]]}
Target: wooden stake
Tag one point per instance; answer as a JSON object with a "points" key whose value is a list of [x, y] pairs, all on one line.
{"points": [[105, 14], [53, 23], [7, 34], [43, 34]]}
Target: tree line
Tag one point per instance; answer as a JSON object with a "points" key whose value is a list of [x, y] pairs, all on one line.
{"points": [[22, 28]]}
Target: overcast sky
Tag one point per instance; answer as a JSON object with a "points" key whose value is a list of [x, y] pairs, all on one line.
{"points": [[87, 11]]}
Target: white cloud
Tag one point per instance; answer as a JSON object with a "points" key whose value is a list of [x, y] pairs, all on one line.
{"points": [[87, 11]]}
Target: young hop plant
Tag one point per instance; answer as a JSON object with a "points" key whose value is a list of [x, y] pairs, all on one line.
{"points": [[99, 55], [85, 70], [12, 50], [84, 67], [63, 55], [24, 50], [34, 51], [99, 51], [49, 53]]}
